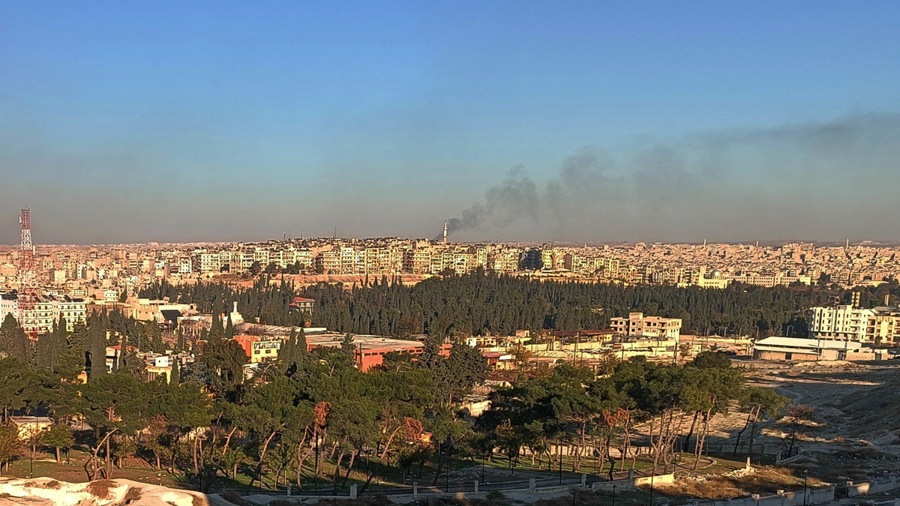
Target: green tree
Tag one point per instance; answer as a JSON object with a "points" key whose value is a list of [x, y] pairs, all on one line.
{"points": [[13, 341], [112, 403], [10, 445], [175, 375], [18, 388], [59, 437]]}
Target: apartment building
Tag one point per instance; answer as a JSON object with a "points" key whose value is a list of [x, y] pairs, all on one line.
{"points": [[845, 322], [851, 323], [638, 325], [48, 309]]}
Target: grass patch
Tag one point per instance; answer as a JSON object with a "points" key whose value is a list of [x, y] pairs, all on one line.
{"points": [[761, 481]]}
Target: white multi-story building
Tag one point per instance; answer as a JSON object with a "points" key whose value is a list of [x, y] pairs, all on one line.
{"points": [[850, 323], [210, 262], [842, 322], [8, 305], [46, 312]]}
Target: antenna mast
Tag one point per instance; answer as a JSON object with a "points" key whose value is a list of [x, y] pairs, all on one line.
{"points": [[27, 296]]}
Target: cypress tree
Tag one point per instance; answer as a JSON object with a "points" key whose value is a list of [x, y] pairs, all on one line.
{"points": [[287, 354], [13, 340], [179, 342], [301, 346], [175, 375]]}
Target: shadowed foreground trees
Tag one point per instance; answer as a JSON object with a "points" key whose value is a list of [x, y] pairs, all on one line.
{"points": [[591, 416], [314, 418]]}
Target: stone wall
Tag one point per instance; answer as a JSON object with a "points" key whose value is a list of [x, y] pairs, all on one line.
{"points": [[873, 487], [816, 496]]}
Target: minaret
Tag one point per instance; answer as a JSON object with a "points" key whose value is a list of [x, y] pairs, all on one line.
{"points": [[445, 231]]}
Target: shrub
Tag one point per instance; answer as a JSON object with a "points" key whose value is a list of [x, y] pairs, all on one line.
{"points": [[99, 488]]}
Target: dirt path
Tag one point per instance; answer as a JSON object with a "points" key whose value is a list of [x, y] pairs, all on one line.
{"points": [[854, 432]]}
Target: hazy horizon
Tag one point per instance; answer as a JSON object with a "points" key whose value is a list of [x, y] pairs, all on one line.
{"points": [[516, 121]]}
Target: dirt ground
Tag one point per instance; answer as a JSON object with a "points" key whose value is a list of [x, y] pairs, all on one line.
{"points": [[855, 428], [852, 434]]}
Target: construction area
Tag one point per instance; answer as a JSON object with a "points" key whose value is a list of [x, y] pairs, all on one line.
{"points": [[840, 429]]}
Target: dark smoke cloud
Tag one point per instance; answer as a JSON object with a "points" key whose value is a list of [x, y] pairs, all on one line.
{"points": [[810, 180], [515, 198]]}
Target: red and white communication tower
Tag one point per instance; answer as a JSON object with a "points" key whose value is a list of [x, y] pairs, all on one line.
{"points": [[27, 299]]}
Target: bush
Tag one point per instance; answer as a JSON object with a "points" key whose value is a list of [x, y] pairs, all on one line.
{"points": [[99, 488], [133, 495]]}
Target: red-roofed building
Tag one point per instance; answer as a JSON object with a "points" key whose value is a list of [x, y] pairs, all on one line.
{"points": [[302, 305]]}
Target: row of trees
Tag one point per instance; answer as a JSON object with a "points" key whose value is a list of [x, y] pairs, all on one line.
{"points": [[388, 307], [312, 416], [266, 301], [592, 416], [303, 414], [482, 303]]}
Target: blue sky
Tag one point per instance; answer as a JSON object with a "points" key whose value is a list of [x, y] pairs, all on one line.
{"points": [[178, 121]]}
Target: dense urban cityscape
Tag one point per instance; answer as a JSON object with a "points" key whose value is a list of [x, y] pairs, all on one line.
{"points": [[461, 253], [280, 301]]}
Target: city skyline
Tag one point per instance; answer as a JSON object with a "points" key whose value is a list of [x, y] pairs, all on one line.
{"points": [[530, 122]]}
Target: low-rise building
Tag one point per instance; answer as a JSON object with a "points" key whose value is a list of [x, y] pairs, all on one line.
{"points": [[800, 349]]}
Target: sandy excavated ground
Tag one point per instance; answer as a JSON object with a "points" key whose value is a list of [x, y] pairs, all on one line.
{"points": [[853, 434], [855, 429], [46, 491]]}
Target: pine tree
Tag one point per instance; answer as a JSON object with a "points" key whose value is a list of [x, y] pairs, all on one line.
{"points": [[156, 342], [73, 360]]}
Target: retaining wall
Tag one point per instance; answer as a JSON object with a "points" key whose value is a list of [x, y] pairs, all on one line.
{"points": [[873, 487], [607, 486], [659, 479], [816, 496]]}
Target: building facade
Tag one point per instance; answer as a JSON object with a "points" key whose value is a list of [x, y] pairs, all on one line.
{"points": [[638, 325]]}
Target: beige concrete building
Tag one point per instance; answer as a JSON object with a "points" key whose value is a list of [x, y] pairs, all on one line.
{"points": [[636, 324], [802, 349]]}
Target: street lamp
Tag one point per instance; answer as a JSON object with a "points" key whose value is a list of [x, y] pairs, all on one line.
{"points": [[483, 457], [614, 495], [805, 486], [560, 467], [449, 467]]}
